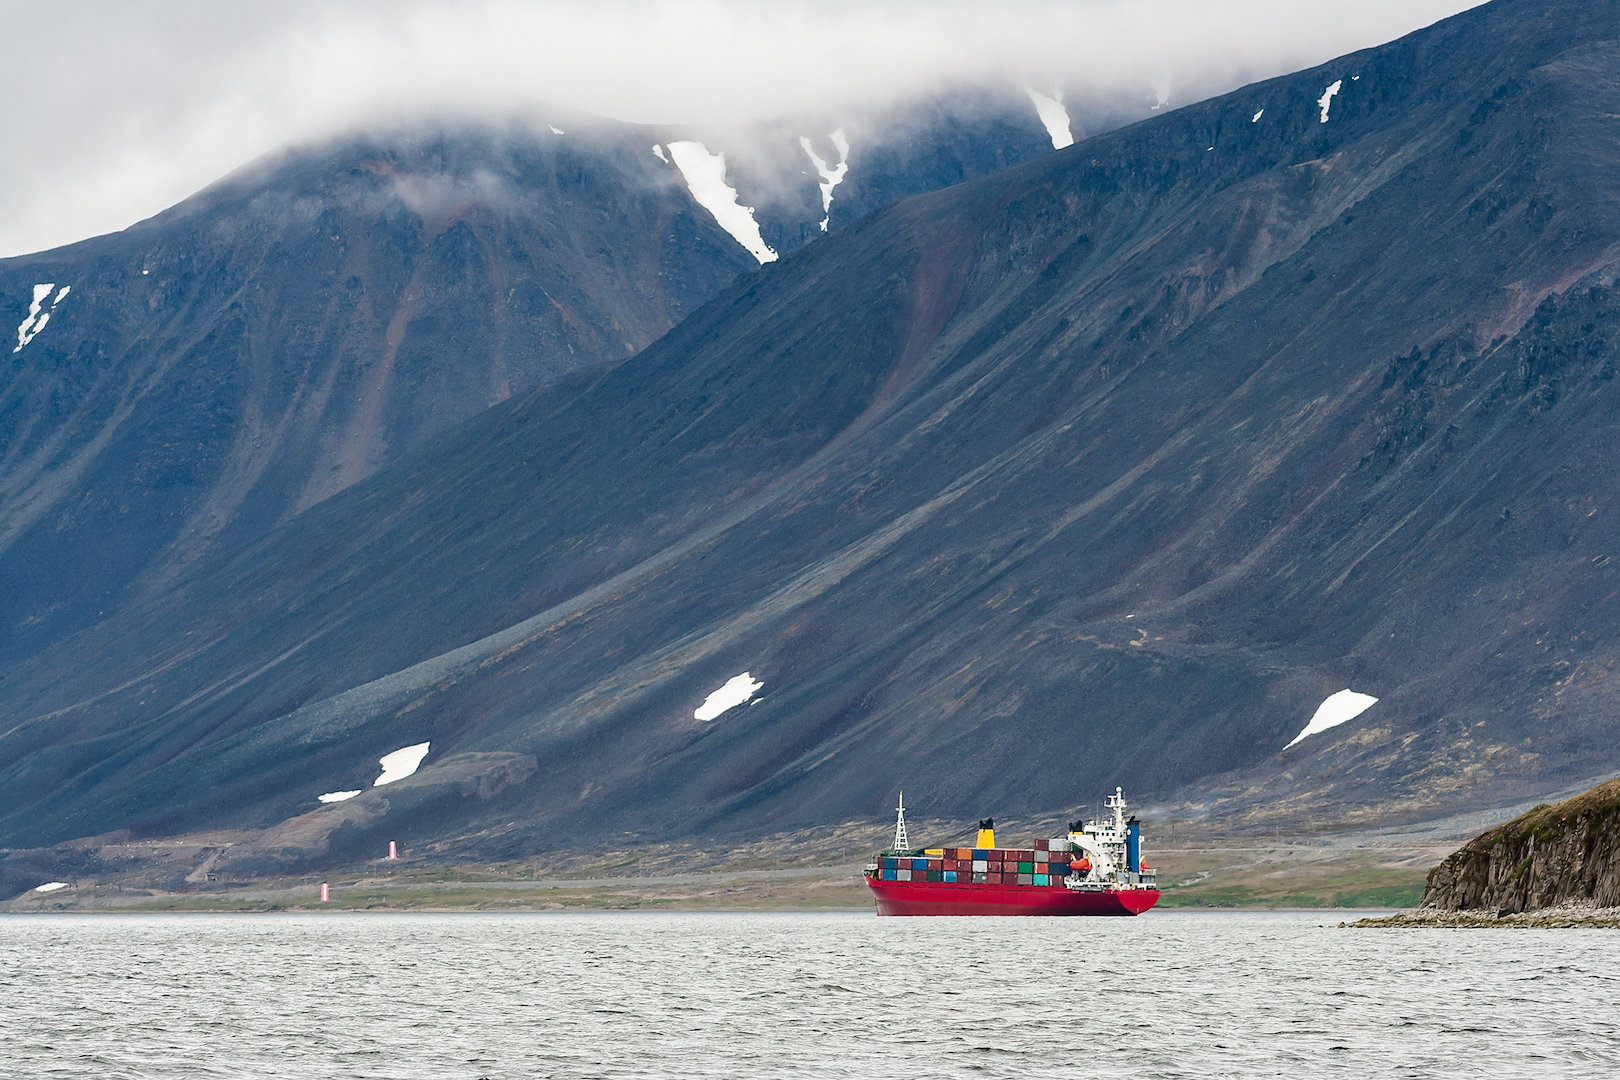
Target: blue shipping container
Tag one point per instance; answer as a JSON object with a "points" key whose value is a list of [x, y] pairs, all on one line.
{"points": [[950, 875], [891, 864], [888, 875]]}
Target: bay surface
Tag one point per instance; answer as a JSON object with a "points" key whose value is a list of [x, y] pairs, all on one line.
{"points": [[1170, 994]]}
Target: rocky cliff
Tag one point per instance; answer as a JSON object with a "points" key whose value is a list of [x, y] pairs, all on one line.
{"points": [[1566, 855]]}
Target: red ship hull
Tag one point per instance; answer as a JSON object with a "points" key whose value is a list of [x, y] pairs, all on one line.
{"points": [[947, 898]]}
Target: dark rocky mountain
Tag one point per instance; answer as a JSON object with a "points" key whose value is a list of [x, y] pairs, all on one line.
{"points": [[1105, 468], [1567, 855], [223, 366]]}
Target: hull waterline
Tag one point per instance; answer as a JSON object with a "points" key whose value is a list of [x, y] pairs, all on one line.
{"points": [[938, 898]]}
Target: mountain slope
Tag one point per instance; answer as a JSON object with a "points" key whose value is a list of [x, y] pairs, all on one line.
{"points": [[285, 333], [220, 367], [1104, 469]]}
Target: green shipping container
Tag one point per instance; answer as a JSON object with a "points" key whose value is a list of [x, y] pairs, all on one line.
{"points": [[1026, 868], [1043, 879]]}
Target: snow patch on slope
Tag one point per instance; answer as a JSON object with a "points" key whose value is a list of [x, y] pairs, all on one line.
{"points": [[401, 763], [51, 886], [705, 175], [1255, 119], [735, 692], [30, 327], [1326, 99], [830, 177], [555, 130], [659, 150], [1345, 705], [1053, 115], [338, 796]]}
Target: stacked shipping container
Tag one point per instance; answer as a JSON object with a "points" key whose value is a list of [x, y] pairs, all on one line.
{"points": [[1045, 864]]}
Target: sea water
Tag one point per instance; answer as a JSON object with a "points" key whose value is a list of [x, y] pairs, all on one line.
{"points": [[1169, 994]]}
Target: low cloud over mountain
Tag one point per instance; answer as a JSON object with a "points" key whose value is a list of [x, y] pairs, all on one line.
{"points": [[116, 111]]}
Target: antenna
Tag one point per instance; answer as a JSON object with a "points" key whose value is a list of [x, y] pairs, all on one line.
{"points": [[1116, 803], [900, 841]]}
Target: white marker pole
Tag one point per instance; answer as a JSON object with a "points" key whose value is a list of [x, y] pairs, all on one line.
{"points": [[326, 892], [393, 849]]}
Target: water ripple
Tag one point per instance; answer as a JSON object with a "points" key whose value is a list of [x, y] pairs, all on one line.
{"points": [[1173, 995]]}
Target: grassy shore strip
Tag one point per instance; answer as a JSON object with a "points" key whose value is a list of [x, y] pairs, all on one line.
{"points": [[1552, 918], [1357, 880]]}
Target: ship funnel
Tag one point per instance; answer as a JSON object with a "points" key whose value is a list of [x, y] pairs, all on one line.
{"points": [[987, 834]]}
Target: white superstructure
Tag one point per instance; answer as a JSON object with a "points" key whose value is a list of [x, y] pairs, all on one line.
{"points": [[1107, 845]]}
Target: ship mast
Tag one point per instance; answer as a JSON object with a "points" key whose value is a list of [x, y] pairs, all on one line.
{"points": [[1116, 803], [900, 841]]}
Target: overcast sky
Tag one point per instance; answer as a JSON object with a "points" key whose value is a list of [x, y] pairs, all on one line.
{"points": [[117, 110]]}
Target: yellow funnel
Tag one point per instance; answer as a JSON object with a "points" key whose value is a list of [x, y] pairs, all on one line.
{"points": [[987, 834]]}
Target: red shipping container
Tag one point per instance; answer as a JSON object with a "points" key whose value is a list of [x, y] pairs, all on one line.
{"points": [[1040, 845], [936, 864]]}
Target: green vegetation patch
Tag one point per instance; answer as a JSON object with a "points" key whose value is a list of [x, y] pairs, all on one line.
{"points": [[1348, 883]]}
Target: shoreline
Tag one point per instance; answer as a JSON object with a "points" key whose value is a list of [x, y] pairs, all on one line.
{"points": [[1562, 918]]}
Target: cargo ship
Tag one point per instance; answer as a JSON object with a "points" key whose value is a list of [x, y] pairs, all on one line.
{"points": [[1096, 869]]}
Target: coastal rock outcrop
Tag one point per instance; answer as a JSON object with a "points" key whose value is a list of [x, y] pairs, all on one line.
{"points": [[1567, 855]]}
